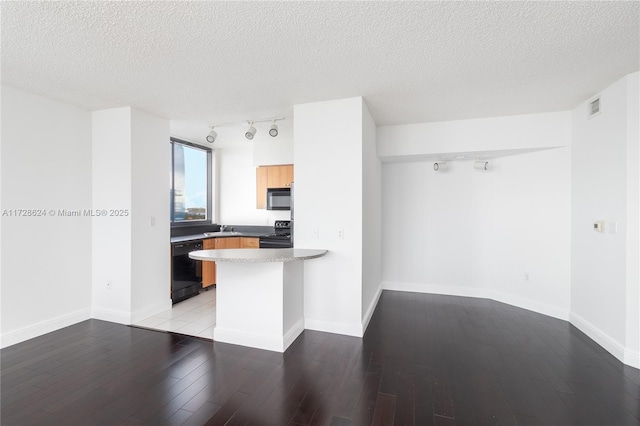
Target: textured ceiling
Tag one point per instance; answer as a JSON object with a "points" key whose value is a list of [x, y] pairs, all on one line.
{"points": [[214, 62]]}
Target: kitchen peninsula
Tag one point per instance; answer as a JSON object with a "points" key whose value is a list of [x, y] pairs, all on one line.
{"points": [[260, 295]]}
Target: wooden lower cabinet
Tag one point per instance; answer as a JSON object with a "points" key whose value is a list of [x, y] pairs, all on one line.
{"points": [[249, 242], [228, 243], [209, 268]]}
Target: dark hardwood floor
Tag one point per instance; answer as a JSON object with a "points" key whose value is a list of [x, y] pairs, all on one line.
{"points": [[425, 359]]}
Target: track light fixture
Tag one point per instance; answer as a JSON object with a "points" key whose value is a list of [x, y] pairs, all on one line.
{"points": [[251, 132], [273, 130], [211, 137], [481, 165], [478, 164], [439, 166]]}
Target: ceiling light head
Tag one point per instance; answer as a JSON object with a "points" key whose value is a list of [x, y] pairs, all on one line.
{"points": [[273, 130], [439, 166], [251, 132], [481, 165], [211, 137]]}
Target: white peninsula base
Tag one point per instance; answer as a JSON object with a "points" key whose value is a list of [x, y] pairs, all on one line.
{"points": [[259, 295], [270, 312]]}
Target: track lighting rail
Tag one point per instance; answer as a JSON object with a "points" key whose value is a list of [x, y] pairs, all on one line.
{"points": [[251, 132]]}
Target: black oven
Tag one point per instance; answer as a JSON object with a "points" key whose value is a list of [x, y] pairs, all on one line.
{"points": [[276, 241], [281, 238], [186, 273]]}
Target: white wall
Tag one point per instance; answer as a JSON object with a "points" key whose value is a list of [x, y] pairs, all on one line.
{"points": [[371, 218], [268, 150], [527, 131], [605, 187], [130, 173], [328, 155], [633, 215], [427, 227], [111, 246], [150, 228], [1, 209], [46, 261], [524, 243]]}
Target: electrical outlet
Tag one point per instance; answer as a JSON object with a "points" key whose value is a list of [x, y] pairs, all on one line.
{"points": [[108, 285], [341, 233], [316, 233], [526, 276], [598, 226], [152, 221]]}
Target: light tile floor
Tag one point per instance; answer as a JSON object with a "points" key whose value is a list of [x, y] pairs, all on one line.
{"points": [[195, 316]]}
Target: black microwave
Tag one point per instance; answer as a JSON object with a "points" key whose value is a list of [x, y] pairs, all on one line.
{"points": [[278, 198]]}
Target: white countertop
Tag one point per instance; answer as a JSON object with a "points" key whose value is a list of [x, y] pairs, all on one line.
{"points": [[257, 255]]}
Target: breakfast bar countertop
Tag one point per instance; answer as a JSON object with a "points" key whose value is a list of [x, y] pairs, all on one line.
{"points": [[257, 255]]}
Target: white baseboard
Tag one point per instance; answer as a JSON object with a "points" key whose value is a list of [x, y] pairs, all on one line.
{"points": [[120, 317], [531, 305], [372, 307], [333, 327], [235, 337], [150, 311], [632, 358], [293, 333], [611, 345], [44, 327], [436, 289]]}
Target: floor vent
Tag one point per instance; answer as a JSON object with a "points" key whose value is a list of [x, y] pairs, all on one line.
{"points": [[594, 107]]}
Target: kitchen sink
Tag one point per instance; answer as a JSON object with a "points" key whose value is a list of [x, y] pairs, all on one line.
{"points": [[221, 234]]}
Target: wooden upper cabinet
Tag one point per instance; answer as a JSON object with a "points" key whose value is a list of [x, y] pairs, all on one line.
{"points": [[271, 177], [261, 187], [280, 176]]}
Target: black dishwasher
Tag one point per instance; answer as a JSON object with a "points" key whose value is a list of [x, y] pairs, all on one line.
{"points": [[186, 273]]}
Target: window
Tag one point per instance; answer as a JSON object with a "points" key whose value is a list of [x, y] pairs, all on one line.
{"points": [[190, 183]]}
